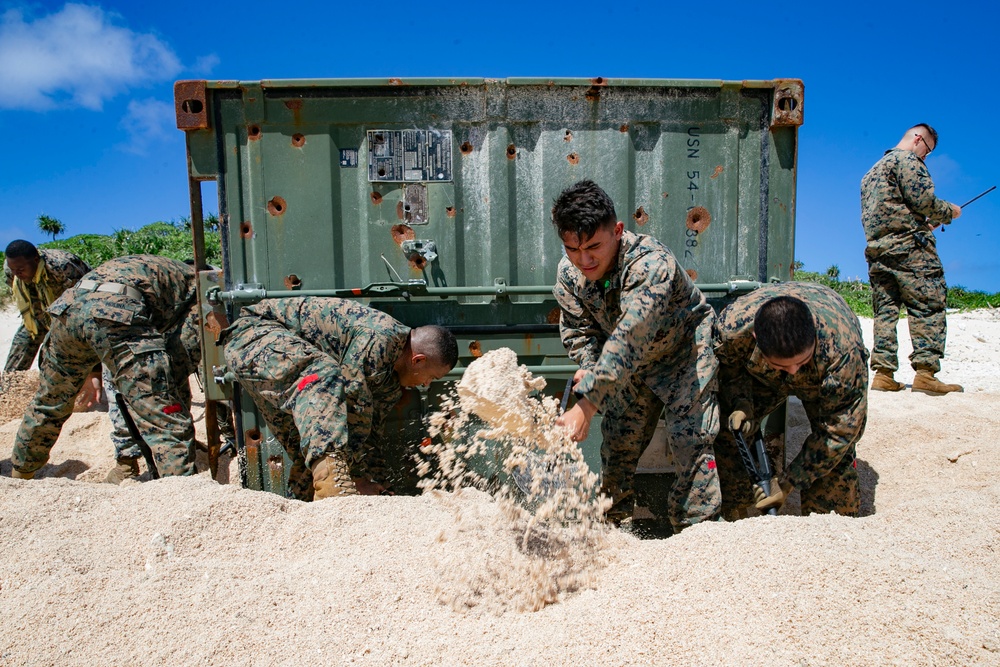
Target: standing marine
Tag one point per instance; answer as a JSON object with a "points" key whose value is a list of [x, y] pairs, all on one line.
{"points": [[899, 212], [802, 340], [642, 334], [324, 373], [137, 315]]}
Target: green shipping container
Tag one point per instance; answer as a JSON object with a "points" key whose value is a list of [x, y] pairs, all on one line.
{"points": [[430, 199]]}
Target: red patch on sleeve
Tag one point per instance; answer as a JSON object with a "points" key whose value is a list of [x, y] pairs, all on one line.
{"points": [[307, 380], [171, 409], [711, 464]]}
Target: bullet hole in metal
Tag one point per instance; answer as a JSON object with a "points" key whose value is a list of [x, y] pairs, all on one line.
{"points": [[381, 171], [664, 194], [252, 436], [698, 219], [450, 211], [276, 206], [402, 233], [641, 217], [192, 106], [573, 158], [465, 148], [623, 128], [568, 136], [418, 262], [275, 463], [292, 281], [246, 231], [718, 170], [298, 140], [475, 349], [692, 274], [376, 198], [511, 151], [254, 132], [294, 105], [599, 81], [552, 317]]}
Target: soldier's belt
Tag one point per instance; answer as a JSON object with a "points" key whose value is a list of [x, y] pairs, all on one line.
{"points": [[110, 288]]}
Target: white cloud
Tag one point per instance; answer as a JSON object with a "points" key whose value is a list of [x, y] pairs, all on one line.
{"points": [[147, 122], [76, 57]]}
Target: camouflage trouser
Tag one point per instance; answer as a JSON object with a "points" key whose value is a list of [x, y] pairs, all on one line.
{"points": [[149, 368], [916, 281], [125, 447], [22, 350], [688, 398], [299, 391], [837, 491]]}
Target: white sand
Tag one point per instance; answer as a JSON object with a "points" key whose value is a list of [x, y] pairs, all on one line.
{"points": [[191, 572]]}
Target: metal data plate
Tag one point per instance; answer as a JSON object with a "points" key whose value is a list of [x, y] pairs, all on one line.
{"points": [[409, 156]]}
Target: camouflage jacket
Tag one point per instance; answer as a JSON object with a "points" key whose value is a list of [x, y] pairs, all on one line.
{"points": [[169, 290], [833, 386], [897, 203], [638, 320], [365, 341], [63, 270]]}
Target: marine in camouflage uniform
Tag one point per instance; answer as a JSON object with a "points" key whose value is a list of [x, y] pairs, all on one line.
{"points": [[641, 333], [899, 212], [323, 374], [57, 271], [137, 316], [832, 385]]}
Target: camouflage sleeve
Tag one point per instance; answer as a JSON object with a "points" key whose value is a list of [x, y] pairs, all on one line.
{"points": [[837, 418], [581, 336], [735, 384], [917, 189], [646, 330], [366, 415]]}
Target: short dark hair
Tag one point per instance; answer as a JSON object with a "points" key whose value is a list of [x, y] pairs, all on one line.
{"points": [[439, 343], [21, 249], [930, 130], [582, 209], [784, 328]]}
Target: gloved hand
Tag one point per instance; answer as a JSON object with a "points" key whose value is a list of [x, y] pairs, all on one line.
{"points": [[16, 474], [779, 494], [332, 477], [740, 421]]}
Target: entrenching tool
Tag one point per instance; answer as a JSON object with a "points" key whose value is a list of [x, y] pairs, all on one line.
{"points": [[133, 430], [756, 462], [523, 476]]}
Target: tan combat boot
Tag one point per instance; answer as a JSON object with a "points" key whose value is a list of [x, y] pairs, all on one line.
{"points": [[17, 474], [125, 469], [884, 381], [926, 383]]}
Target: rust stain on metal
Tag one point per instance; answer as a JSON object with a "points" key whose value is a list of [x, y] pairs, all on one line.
{"points": [[624, 128], [399, 209], [246, 230], [252, 437], [418, 262], [698, 219], [275, 464], [376, 198], [664, 194], [276, 206], [216, 322], [641, 217], [298, 140], [593, 94], [465, 148], [528, 342], [475, 349], [552, 317], [718, 170], [599, 81], [568, 136], [780, 204], [396, 82], [292, 281], [692, 274], [294, 105], [573, 158], [402, 233], [254, 132], [450, 211], [511, 151]]}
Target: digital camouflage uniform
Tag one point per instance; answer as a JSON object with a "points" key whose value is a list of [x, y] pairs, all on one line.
{"points": [[833, 388], [62, 269], [643, 333], [320, 370], [149, 343], [897, 202]]}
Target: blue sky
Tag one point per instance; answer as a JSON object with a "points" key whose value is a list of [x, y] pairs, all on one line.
{"points": [[86, 91]]}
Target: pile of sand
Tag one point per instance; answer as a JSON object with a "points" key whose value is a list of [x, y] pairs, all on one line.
{"points": [[192, 572]]}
